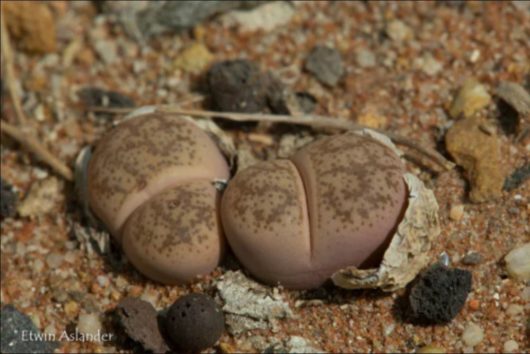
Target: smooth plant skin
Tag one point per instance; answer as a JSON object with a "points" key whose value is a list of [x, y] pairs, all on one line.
{"points": [[335, 203], [150, 181]]}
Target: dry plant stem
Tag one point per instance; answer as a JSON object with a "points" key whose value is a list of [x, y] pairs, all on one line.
{"points": [[9, 71], [309, 120], [34, 146], [314, 121]]}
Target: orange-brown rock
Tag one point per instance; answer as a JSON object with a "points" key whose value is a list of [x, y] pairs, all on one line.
{"points": [[31, 25], [479, 153]]}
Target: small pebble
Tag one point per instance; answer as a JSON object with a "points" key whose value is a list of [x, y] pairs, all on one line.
{"points": [[398, 31], [194, 58], [38, 265], [457, 212], [297, 344], [518, 176], [265, 17], [325, 64], [518, 262], [482, 160], [525, 295], [474, 304], [473, 334], [89, 324], [151, 296], [107, 50], [514, 309], [103, 281], [71, 309], [32, 25], [54, 260], [8, 200], [429, 65], [431, 349], [365, 58], [194, 322], [139, 320], [515, 95], [44, 197], [238, 86], [472, 258], [474, 56], [471, 97], [439, 294], [371, 117], [510, 346]]}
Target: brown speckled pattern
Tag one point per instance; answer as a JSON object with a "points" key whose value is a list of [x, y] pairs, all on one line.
{"points": [[355, 192], [176, 234], [356, 180], [275, 183], [333, 204], [265, 219], [137, 151], [184, 215]]}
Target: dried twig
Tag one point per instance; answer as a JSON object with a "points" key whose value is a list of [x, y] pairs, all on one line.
{"points": [[315, 121], [37, 148], [27, 140], [9, 71]]}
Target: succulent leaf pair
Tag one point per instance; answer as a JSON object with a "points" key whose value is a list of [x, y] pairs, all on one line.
{"points": [[334, 204]]}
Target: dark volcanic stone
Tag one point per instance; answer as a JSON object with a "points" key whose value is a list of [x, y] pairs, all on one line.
{"points": [[8, 200], [18, 334], [238, 86], [517, 178], [439, 294], [325, 64], [194, 322], [139, 320]]}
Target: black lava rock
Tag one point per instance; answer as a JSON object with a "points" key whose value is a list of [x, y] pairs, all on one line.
{"points": [[194, 322], [8, 200], [439, 294], [18, 334], [325, 64], [238, 86]]}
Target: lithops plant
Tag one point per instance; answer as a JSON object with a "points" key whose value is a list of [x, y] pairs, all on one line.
{"points": [[341, 207], [151, 181]]}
